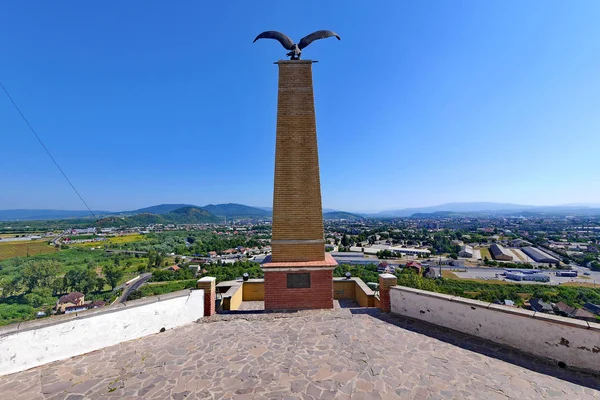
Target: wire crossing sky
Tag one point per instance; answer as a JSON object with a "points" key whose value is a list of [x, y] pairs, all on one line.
{"points": [[420, 103]]}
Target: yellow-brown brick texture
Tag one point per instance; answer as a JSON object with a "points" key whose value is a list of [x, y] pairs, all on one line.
{"points": [[297, 210]]}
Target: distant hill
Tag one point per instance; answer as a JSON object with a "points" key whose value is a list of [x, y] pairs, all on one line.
{"points": [[487, 208], [182, 215], [342, 215], [437, 214], [40, 215], [159, 209], [190, 215], [236, 210], [142, 219]]}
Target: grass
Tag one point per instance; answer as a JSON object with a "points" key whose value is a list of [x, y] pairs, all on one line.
{"points": [[485, 252], [112, 240], [524, 296], [584, 284], [12, 235], [518, 255], [449, 274], [22, 249], [166, 287]]}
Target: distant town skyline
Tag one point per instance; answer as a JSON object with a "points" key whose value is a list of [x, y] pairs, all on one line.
{"points": [[143, 104]]}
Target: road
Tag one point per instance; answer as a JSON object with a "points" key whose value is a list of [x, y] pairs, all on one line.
{"points": [[133, 286]]}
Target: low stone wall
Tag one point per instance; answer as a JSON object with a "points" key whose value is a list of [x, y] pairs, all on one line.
{"points": [[29, 344], [573, 342], [353, 289], [343, 289], [232, 298]]}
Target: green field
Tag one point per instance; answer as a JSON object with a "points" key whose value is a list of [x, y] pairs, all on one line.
{"points": [[485, 252], [111, 240], [22, 249]]}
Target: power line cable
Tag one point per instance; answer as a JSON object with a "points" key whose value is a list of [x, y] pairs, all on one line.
{"points": [[47, 151]]}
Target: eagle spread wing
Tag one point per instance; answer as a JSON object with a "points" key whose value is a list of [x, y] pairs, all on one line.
{"points": [[280, 37], [308, 39]]}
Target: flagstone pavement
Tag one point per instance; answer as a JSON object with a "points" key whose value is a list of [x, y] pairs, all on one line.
{"points": [[345, 353]]}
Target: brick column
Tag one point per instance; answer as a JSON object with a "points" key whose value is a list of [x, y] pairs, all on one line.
{"points": [[208, 284], [297, 212], [385, 282]]}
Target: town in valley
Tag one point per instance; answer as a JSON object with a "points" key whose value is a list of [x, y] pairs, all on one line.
{"points": [[547, 263]]}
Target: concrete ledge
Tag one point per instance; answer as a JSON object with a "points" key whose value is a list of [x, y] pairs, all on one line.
{"points": [[60, 319], [360, 291], [556, 319], [232, 297], [573, 342], [27, 345], [512, 310], [328, 262]]}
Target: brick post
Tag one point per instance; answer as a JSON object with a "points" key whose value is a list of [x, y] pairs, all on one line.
{"points": [[297, 212], [208, 284], [385, 282]]}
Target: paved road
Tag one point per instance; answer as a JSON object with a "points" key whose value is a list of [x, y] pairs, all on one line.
{"points": [[134, 286]]}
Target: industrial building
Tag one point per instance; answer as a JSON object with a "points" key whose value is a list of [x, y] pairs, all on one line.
{"points": [[500, 253], [466, 251], [539, 256], [397, 250], [570, 274], [519, 276]]}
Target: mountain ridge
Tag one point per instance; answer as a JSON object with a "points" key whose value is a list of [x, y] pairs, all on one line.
{"points": [[229, 210], [182, 215]]}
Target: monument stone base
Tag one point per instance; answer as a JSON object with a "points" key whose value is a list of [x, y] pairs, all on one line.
{"points": [[299, 285]]}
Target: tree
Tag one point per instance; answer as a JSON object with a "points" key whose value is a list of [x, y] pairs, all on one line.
{"points": [[345, 240], [39, 274], [113, 274], [12, 286], [39, 296], [58, 286], [82, 280]]}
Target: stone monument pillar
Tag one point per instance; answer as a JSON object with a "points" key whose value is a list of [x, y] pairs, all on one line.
{"points": [[299, 273]]}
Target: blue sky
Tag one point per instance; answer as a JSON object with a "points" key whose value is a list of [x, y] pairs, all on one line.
{"points": [[420, 103]]}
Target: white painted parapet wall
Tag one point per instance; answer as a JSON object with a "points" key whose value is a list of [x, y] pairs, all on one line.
{"points": [[29, 344], [574, 342]]}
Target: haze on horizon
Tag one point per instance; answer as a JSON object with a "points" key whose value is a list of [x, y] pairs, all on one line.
{"points": [[418, 105]]}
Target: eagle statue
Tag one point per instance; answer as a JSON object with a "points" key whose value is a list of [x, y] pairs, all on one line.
{"points": [[296, 49]]}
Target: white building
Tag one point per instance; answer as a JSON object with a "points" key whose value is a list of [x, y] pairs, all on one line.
{"points": [[466, 251]]}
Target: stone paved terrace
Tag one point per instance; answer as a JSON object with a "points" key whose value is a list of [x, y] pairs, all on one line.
{"points": [[347, 353]]}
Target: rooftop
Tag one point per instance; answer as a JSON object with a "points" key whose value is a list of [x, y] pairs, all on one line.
{"points": [[342, 353]]}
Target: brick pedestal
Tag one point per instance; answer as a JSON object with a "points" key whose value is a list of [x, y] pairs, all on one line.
{"points": [[279, 297], [208, 284], [317, 274], [386, 281]]}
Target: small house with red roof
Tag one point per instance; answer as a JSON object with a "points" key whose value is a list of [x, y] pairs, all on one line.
{"points": [[73, 299], [415, 266]]}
